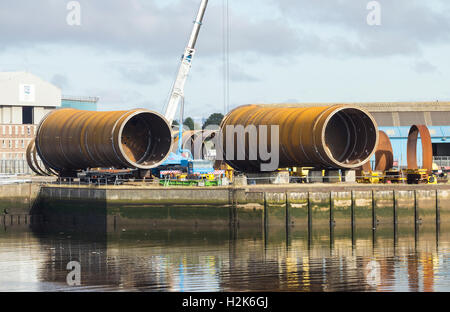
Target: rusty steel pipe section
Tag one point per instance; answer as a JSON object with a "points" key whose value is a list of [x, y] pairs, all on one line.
{"points": [[338, 136], [69, 140], [187, 140], [198, 142], [427, 147], [33, 162], [384, 155], [32, 159]]}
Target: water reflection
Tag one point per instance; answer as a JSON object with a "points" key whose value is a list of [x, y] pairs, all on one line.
{"points": [[148, 258]]}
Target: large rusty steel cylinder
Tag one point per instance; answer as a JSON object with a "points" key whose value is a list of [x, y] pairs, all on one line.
{"points": [[339, 136], [69, 140]]}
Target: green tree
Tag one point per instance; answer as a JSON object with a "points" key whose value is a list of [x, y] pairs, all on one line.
{"points": [[213, 119], [175, 123], [189, 122]]}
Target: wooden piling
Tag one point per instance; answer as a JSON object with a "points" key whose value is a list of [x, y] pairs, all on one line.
{"points": [[374, 213]]}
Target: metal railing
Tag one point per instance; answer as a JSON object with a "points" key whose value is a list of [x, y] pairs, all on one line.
{"points": [[97, 182], [442, 161], [15, 166], [238, 180]]}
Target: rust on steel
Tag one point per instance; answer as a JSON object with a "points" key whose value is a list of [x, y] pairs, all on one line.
{"points": [[366, 167], [339, 136], [427, 147], [33, 162], [384, 155], [69, 140], [198, 142]]}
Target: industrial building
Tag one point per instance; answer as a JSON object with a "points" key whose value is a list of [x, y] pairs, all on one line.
{"points": [[80, 102], [396, 118], [24, 101]]}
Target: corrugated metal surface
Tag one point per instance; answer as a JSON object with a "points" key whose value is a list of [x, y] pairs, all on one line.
{"points": [[440, 118], [384, 119], [436, 132], [321, 137], [412, 118], [68, 140], [446, 132]]}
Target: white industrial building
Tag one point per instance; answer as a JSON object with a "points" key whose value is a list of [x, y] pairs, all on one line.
{"points": [[24, 100]]}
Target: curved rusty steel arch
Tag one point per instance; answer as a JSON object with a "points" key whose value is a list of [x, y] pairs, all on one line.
{"points": [[427, 147], [384, 155], [31, 149], [195, 141], [33, 163]]}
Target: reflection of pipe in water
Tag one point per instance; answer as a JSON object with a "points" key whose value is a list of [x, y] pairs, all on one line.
{"points": [[413, 272], [387, 270], [428, 271], [306, 278], [292, 272]]}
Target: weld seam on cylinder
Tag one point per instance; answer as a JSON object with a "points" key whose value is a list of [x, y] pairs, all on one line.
{"points": [[310, 126]]}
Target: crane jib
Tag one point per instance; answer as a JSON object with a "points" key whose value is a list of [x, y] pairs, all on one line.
{"points": [[178, 87]]}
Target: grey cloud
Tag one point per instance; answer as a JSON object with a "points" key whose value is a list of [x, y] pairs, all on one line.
{"points": [[238, 74], [137, 26], [60, 81], [117, 99], [139, 74], [424, 67], [407, 25]]}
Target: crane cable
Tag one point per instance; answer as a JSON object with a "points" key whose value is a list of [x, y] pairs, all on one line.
{"points": [[226, 56]]}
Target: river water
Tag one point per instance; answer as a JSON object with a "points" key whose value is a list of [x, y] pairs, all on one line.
{"points": [[146, 258]]}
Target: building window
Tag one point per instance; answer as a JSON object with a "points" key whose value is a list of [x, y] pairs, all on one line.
{"points": [[27, 115], [28, 130]]}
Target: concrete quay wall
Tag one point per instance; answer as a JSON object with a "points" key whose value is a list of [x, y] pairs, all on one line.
{"points": [[293, 205]]}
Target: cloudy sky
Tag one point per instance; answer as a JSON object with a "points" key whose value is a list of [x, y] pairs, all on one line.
{"points": [[127, 51]]}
